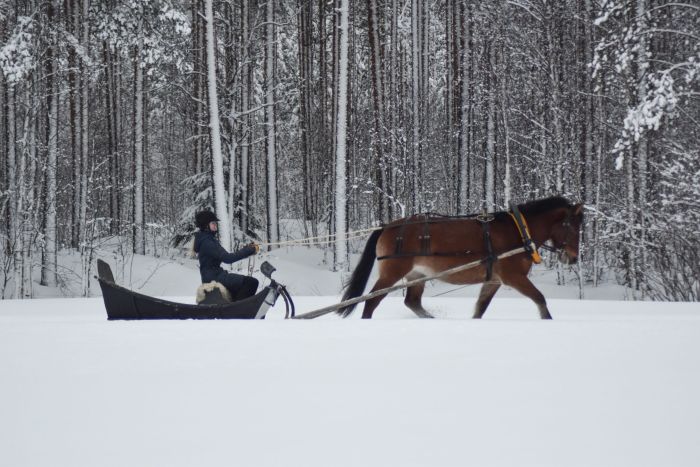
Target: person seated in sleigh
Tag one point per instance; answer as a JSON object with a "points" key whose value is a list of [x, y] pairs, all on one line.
{"points": [[211, 254]]}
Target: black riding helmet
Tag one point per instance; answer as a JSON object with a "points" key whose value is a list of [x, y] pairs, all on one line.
{"points": [[203, 218]]}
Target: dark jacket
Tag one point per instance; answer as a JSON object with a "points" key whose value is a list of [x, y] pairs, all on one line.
{"points": [[212, 254]]}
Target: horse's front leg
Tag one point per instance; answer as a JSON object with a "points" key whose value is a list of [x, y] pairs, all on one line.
{"points": [[488, 290], [414, 295], [523, 285]]}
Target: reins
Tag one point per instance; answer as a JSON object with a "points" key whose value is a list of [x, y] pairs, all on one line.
{"points": [[350, 235]]}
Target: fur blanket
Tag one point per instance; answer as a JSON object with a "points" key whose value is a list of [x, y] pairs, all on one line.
{"points": [[208, 287]]}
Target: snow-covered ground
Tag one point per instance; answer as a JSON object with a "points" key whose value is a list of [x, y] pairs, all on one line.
{"points": [[608, 382], [604, 384]]}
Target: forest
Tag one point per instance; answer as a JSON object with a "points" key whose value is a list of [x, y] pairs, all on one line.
{"points": [[119, 119]]}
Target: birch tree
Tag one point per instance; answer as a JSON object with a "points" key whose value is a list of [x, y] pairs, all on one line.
{"points": [[341, 135], [220, 197]]}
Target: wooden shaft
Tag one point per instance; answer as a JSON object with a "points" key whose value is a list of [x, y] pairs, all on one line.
{"points": [[447, 272]]}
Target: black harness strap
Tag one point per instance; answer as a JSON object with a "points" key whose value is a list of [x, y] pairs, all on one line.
{"points": [[490, 258], [425, 240], [399, 241]]}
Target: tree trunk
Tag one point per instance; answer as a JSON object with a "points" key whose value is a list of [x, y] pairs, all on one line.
{"points": [[589, 182], [465, 123], [84, 130], [30, 214], [20, 209], [112, 138], [489, 172], [507, 183], [270, 141], [416, 100], [215, 131], [392, 120], [341, 134], [235, 57], [118, 138], [247, 71], [376, 61], [48, 269], [12, 184], [138, 229], [75, 112], [199, 67], [306, 120], [642, 148], [555, 108]]}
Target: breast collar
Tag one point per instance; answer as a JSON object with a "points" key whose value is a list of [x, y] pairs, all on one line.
{"points": [[521, 224]]}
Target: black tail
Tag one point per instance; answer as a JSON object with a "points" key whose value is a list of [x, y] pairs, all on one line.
{"points": [[360, 275]]}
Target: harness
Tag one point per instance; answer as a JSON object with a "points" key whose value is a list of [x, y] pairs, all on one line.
{"points": [[426, 220], [484, 220]]}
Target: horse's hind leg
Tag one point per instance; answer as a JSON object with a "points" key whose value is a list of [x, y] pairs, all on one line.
{"points": [[373, 303], [527, 288], [488, 290], [413, 297], [389, 274]]}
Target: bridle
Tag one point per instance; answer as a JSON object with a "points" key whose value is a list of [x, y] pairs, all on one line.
{"points": [[557, 247]]}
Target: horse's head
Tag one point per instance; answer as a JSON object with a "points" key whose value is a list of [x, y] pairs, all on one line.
{"points": [[566, 232]]}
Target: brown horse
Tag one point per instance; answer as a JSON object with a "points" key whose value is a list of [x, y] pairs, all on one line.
{"points": [[423, 245]]}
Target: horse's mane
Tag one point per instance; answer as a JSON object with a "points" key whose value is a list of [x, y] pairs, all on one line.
{"points": [[540, 206]]}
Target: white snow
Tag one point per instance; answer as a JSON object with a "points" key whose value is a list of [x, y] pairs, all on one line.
{"points": [[605, 383]]}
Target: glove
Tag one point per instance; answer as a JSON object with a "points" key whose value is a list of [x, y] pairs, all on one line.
{"points": [[255, 247]]}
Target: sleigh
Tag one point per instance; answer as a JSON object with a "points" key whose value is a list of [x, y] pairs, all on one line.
{"points": [[124, 304]]}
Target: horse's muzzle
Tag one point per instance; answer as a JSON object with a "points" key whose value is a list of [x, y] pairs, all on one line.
{"points": [[566, 258]]}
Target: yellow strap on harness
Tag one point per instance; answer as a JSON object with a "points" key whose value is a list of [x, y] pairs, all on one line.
{"points": [[525, 236]]}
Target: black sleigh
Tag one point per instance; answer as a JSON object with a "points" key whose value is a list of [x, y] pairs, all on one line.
{"points": [[124, 304]]}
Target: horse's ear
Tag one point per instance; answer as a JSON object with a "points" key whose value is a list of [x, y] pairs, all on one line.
{"points": [[578, 209]]}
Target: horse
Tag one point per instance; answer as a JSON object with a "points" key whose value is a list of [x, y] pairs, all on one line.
{"points": [[421, 245]]}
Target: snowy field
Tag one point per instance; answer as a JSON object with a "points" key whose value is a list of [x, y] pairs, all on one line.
{"points": [[606, 383]]}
